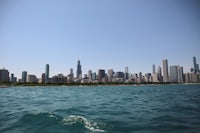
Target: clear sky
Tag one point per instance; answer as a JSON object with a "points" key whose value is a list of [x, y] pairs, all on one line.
{"points": [[101, 33]]}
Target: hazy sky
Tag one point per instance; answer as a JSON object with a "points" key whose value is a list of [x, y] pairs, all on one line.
{"points": [[101, 33]]}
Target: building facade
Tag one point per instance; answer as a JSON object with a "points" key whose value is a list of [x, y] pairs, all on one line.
{"points": [[119, 75], [31, 79], [43, 77], [71, 73], [110, 75], [173, 74], [4, 75], [101, 74], [159, 74], [79, 71], [89, 74], [195, 65], [187, 77], [24, 76], [180, 74], [165, 71], [47, 73], [153, 68], [155, 77], [126, 74], [12, 78], [94, 76]]}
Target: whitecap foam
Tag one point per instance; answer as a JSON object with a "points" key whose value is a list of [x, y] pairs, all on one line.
{"points": [[51, 115], [90, 125]]}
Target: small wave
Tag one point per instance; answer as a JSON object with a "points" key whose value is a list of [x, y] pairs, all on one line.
{"points": [[90, 125], [52, 122]]}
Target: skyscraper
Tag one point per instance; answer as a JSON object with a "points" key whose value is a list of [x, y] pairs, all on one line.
{"points": [[165, 71], [79, 71], [198, 68], [187, 77], [94, 76], [180, 74], [110, 74], [126, 73], [119, 75], [195, 65], [173, 74], [155, 77], [159, 74], [101, 74], [90, 74], [12, 77], [126, 69], [4, 75], [43, 77], [24, 76], [153, 68], [71, 73], [47, 73], [140, 78]]}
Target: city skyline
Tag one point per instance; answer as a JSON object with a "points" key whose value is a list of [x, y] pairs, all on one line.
{"points": [[102, 34], [166, 73]]}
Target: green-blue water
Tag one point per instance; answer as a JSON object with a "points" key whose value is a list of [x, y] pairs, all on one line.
{"points": [[117, 109]]}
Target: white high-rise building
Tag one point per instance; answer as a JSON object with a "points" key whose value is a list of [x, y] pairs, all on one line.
{"points": [[155, 77], [180, 74], [110, 75], [165, 71]]}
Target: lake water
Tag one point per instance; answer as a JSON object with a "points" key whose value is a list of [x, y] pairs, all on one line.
{"points": [[117, 109]]}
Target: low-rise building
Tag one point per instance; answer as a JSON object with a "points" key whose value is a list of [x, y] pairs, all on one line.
{"points": [[31, 79]]}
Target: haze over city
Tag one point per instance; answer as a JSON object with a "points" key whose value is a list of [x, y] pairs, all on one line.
{"points": [[102, 34]]}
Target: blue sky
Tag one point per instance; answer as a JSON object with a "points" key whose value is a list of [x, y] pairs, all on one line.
{"points": [[101, 33]]}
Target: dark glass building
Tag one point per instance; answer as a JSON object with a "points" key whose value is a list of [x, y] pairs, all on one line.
{"points": [[101, 74], [47, 73], [119, 75], [24, 76], [4, 75], [79, 71]]}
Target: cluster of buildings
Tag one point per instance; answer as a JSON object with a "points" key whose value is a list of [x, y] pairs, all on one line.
{"points": [[166, 74]]}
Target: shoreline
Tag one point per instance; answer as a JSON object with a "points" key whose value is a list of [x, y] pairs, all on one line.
{"points": [[100, 84]]}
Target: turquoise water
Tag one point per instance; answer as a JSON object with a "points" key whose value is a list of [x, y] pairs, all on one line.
{"points": [[117, 109]]}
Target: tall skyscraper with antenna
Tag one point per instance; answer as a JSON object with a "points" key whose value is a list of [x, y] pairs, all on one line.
{"points": [[79, 71]]}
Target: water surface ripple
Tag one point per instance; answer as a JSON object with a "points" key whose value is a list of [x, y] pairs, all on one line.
{"points": [[117, 109]]}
